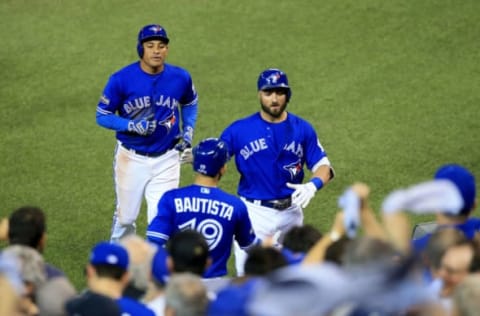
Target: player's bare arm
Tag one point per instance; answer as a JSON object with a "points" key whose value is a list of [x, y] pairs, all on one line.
{"points": [[323, 173]]}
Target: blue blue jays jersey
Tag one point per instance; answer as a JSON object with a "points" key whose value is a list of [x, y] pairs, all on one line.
{"points": [[134, 94], [268, 155], [216, 214]]}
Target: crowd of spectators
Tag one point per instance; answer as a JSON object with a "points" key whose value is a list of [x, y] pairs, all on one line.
{"points": [[366, 264]]}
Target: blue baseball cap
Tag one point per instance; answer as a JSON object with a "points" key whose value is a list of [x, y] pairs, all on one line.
{"points": [[463, 180], [159, 266], [105, 253]]}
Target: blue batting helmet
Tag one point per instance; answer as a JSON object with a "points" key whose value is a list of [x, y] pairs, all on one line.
{"points": [[149, 32], [273, 78], [209, 156]]}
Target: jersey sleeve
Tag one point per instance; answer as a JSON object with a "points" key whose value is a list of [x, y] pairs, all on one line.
{"points": [[227, 137], [190, 96], [162, 225], [244, 233], [189, 104], [315, 153], [108, 105]]}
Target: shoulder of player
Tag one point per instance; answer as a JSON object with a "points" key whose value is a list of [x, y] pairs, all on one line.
{"points": [[297, 120], [176, 70], [125, 74], [247, 120], [135, 66], [180, 191], [229, 198]]}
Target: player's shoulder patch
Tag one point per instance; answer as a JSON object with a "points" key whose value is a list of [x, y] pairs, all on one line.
{"points": [[104, 100]]}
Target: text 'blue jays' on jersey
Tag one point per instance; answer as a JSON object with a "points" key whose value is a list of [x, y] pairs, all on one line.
{"points": [[216, 214], [268, 155], [135, 94]]}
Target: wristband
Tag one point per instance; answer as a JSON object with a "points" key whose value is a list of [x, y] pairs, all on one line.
{"points": [[318, 183]]}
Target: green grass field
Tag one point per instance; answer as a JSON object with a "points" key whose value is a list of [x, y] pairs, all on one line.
{"points": [[392, 88]]}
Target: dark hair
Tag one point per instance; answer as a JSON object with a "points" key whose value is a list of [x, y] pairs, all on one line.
{"points": [[263, 260], [368, 250], [301, 238], [438, 243], [336, 250], [27, 226], [189, 252], [109, 271]]}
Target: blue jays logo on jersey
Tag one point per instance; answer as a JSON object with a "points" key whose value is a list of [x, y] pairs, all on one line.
{"points": [[294, 168], [169, 122], [104, 100]]}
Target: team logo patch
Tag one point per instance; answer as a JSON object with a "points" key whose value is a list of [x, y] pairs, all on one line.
{"points": [[294, 168], [273, 78], [156, 29], [104, 100], [169, 122], [202, 169]]}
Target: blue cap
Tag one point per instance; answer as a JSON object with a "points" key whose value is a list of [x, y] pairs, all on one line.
{"points": [[105, 253], [159, 266], [463, 180], [209, 156]]}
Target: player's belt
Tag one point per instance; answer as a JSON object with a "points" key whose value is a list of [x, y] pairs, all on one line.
{"points": [[147, 154], [279, 204]]}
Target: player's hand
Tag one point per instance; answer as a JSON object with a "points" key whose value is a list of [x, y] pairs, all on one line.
{"points": [[185, 146], [186, 156], [142, 127], [303, 193]]}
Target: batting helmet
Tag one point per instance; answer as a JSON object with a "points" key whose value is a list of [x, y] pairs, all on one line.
{"points": [[150, 32], [273, 78], [209, 156]]}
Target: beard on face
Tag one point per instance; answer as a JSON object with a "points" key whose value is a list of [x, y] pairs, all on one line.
{"points": [[275, 112]]}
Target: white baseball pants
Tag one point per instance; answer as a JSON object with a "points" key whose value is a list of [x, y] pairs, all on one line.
{"points": [[136, 177], [267, 222]]}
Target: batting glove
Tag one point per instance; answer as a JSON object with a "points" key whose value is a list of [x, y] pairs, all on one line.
{"points": [[142, 127], [305, 192], [186, 156], [185, 146]]}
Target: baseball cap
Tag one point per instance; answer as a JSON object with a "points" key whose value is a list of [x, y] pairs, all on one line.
{"points": [[159, 266], [463, 180], [105, 253]]}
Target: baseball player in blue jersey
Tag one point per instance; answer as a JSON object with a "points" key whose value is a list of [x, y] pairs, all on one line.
{"points": [[271, 148], [143, 102], [202, 206]]}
